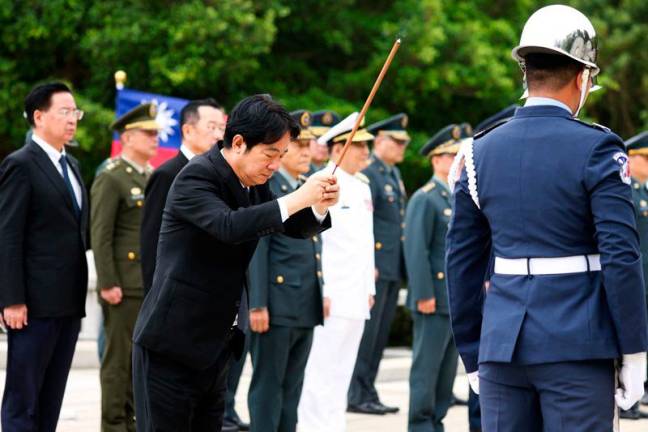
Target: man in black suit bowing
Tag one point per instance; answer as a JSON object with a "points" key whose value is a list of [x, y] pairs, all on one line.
{"points": [[202, 123], [43, 270], [217, 209]]}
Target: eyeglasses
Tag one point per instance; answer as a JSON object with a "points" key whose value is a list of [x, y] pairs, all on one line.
{"points": [[66, 112]]}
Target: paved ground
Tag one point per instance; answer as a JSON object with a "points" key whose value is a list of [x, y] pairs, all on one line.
{"points": [[81, 412]]}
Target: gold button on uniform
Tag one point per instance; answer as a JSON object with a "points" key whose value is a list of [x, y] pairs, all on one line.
{"points": [[140, 203], [403, 225], [317, 256], [131, 256], [402, 238], [315, 239], [319, 273], [280, 279], [440, 275], [378, 245], [643, 203], [447, 212], [402, 212]]}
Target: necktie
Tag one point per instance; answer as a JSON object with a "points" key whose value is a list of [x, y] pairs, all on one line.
{"points": [[66, 179]]}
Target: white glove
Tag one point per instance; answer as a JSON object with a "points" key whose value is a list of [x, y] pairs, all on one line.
{"points": [[473, 380], [631, 380]]}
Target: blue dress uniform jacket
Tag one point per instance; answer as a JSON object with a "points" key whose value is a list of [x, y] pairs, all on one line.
{"points": [[428, 215], [283, 272], [388, 195], [529, 211]]}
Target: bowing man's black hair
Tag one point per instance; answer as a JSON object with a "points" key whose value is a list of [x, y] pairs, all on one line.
{"points": [[259, 120]]}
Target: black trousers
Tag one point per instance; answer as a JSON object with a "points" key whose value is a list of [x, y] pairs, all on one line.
{"points": [[38, 363], [374, 339], [173, 397], [233, 378]]}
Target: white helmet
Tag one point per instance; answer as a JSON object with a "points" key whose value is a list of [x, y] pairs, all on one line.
{"points": [[559, 29], [563, 30]]}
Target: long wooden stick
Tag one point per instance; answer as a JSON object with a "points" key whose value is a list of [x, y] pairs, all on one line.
{"points": [[376, 85]]}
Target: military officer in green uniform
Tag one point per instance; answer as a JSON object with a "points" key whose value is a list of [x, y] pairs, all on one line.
{"points": [[285, 305], [637, 148], [388, 195], [434, 358], [117, 198], [321, 122]]}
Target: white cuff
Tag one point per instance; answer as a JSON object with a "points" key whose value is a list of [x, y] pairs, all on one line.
{"points": [[320, 218], [283, 208]]}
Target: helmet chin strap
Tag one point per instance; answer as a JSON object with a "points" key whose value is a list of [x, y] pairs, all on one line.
{"points": [[584, 90]]}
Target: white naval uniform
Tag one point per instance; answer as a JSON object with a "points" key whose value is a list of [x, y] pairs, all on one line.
{"points": [[348, 273]]}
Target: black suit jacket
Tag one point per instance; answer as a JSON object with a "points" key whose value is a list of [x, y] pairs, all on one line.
{"points": [[157, 190], [42, 243], [210, 229]]}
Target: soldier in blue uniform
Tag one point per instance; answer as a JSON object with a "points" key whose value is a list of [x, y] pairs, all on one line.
{"points": [[637, 148], [434, 356], [551, 197], [321, 122], [285, 304], [388, 195]]}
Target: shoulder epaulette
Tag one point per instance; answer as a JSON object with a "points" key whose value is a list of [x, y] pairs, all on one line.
{"points": [[593, 125], [363, 178], [483, 132], [428, 187], [114, 163]]}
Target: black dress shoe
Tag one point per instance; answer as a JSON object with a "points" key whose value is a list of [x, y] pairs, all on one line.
{"points": [[233, 420], [229, 426], [366, 408], [630, 414], [644, 399], [386, 408], [458, 401]]}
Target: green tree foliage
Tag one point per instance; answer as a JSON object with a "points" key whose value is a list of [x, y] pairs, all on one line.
{"points": [[454, 64]]}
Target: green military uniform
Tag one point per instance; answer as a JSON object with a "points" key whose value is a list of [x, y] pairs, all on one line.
{"points": [[286, 278], [320, 123], [638, 145], [117, 197], [434, 357], [388, 196]]}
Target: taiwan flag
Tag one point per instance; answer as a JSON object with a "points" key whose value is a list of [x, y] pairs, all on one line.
{"points": [[168, 116]]}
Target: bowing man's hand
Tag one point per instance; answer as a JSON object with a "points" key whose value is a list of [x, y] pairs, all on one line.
{"points": [[15, 316], [320, 192], [330, 196], [259, 320]]}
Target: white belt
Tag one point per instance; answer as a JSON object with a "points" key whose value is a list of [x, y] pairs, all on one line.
{"points": [[548, 266]]}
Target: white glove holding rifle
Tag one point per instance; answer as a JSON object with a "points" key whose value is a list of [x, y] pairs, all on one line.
{"points": [[631, 380]]}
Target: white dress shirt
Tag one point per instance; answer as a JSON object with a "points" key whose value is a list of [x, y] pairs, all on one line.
{"points": [[186, 152], [55, 157], [348, 250]]}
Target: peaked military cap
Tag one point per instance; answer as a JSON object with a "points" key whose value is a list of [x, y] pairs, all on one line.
{"points": [[393, 127], [322, 121], [497, 118], [140, 117], [638, 144], [339, 133], [303, 118], [466, 131], [447, 140]]}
